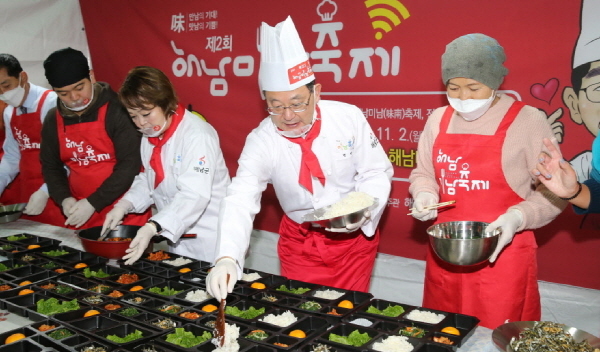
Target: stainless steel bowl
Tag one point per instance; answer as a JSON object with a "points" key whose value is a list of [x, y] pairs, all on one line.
{"points": [[11, 212], [463, 242], [315, 217], [503, 334]]}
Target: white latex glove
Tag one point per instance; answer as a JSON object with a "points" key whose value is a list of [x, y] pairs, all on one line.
{"points": [[423, 199], [216, 281], [139, 244], [81, 212], [509, 222], [116, 214], [37, 203], [67, 205], [352, 226]]}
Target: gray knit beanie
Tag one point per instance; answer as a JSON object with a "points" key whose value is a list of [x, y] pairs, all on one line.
{"points": [[475, 56]]}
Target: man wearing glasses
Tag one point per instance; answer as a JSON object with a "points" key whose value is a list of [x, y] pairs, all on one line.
{"points": [[314, 152]]}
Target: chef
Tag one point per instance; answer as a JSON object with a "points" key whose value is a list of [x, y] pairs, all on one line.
{"points": [[91, 134], [478, 151], [184, 170], [314, 152], [23, 117]]}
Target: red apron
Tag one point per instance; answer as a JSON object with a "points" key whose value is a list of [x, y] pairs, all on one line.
{"points": [[317, 256], [27, 131], [89, 153], [469, 170]]}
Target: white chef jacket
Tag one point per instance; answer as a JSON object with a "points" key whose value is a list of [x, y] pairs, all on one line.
{"points": [[189, 196], [9, 165], [350, 156]]}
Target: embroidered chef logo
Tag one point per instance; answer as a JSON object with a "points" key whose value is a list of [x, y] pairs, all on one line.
{"points": [[374, 140], [454, 175], [345, 148], [24, 141], [202, 169], [84, 154]]}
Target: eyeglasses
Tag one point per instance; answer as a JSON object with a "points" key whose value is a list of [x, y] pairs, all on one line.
{"points": [[592, 92], [298, 107]]}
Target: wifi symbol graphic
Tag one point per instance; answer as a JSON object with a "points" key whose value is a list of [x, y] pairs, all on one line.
{"points": [[381, 9]]}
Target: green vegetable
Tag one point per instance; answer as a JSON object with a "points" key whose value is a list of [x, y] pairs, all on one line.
{"points": [[257, 335], [165, 291], [412, 331], [50, 265], [354, 339], [250, 313], [3, 267], [16, 238], [60, 334], [6, 247], [187, 339], [389, 311], [297, 291], [129, 312], [310, 305], [55, 253], [63, 289], [127, 338], [53, 306], [89, 273]]}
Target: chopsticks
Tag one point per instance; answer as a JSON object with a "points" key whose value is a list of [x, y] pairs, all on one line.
{"points": [[432, 206]]}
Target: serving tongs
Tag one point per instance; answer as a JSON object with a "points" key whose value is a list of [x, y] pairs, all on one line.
{"points": [[104, 234], [432, 206], [220, 323]]}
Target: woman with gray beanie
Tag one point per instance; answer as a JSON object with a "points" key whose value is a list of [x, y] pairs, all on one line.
{"points": [[478, 151]]}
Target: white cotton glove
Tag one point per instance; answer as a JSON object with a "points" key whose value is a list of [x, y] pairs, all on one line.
{"points": [[139, 244], [509, 222], [81, 212], [116, 214], [216, 281], [352, 226], [421, 200], [67, 205], [37, 203]]}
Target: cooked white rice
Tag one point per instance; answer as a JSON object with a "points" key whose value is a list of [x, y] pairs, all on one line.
{"points": [[393, 344], [178, 262], [232, 333], [354, 201], [362, 322], [284, 319], [251, 277], [197, 295], [425, 316], [328, 294]]}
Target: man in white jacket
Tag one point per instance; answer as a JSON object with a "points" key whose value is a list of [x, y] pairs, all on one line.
{"points": [[314, 152]]}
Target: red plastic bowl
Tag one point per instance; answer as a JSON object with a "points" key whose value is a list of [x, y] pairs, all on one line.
{"points": [[108, 249]]}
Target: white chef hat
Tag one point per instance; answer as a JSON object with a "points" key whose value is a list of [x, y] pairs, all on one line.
{"points": [[588, 43], [284, 64]]}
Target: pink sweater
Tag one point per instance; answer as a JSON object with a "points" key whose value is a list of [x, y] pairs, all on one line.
{"points": [[520, 152]]}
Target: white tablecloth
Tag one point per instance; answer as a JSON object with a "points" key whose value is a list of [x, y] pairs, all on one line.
{"points": [[480, 341]]}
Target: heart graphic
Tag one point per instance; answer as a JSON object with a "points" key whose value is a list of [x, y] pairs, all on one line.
{"points": [[546, 91]]}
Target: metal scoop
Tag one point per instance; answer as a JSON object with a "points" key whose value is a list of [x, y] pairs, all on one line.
{"points": [[220, 323], [104, 234]]}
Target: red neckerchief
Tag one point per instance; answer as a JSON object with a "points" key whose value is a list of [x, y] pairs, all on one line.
{"points": [[155, 159], [309, 165]]}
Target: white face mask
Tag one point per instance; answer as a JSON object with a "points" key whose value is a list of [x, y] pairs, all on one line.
{"points": [[471, 109], [153, 131], [298, 132], [81, 104], [15, 96]]}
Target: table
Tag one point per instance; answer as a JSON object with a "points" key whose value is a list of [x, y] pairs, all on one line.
{"points": [[480, 341]]}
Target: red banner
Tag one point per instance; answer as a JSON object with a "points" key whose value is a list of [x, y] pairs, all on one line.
{"points": [[381, 55]]}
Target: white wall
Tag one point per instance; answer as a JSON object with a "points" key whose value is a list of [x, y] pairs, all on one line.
{"points": [[400, 280], [33, 29]]}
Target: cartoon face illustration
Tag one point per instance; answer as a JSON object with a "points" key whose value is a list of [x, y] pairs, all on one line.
{"points": [[583, 99]]}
